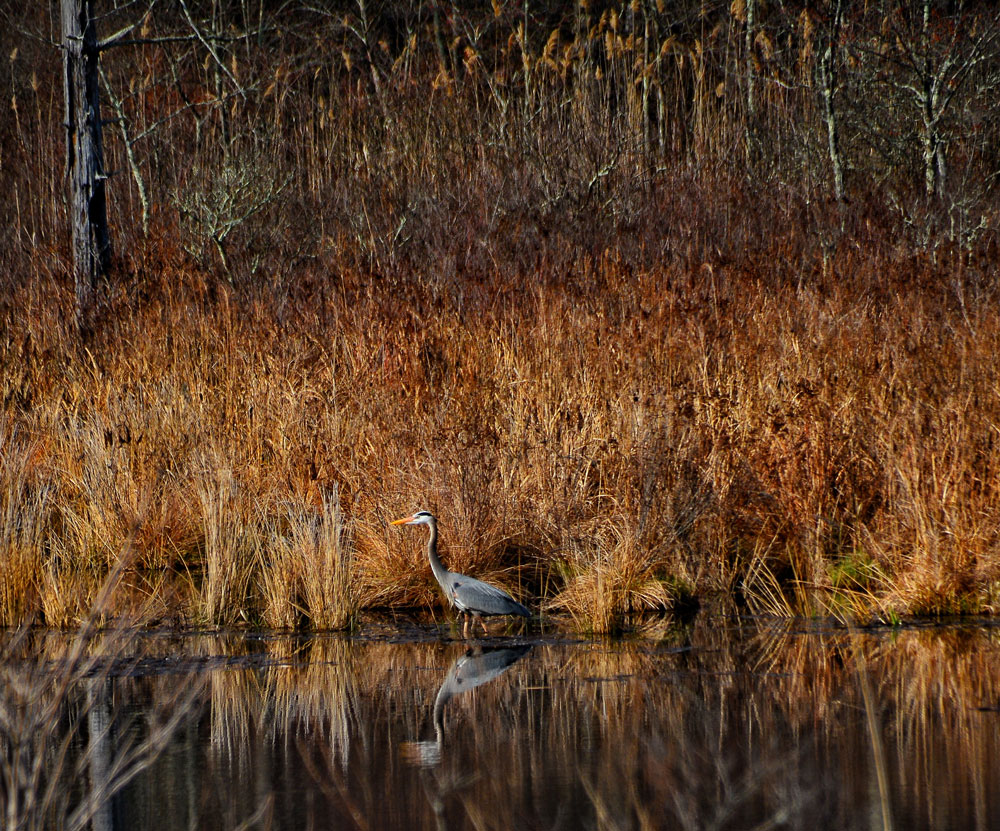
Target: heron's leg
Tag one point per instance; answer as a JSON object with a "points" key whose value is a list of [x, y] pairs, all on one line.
{"points": [[483, 622], [465, 625]]}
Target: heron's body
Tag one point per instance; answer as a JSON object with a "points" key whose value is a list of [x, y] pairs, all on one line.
{"points": [[468, 595]]}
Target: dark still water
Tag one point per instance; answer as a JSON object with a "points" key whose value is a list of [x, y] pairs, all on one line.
{"points": [[719, 724]]}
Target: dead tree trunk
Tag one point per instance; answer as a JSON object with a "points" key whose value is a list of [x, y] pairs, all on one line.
{"points": [[751, 79], [829, 79], [84, 155]]}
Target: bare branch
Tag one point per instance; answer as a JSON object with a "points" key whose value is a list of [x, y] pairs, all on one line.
{"points": [[211, 51]]}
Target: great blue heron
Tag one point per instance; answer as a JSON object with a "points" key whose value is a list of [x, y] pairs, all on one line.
{"points": [[468, 595]]}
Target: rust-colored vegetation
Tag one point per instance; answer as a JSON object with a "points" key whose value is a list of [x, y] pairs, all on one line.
{"points": [[581, 285]]}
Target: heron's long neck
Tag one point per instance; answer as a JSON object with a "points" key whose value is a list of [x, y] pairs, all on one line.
{"points": [[432, 554]]}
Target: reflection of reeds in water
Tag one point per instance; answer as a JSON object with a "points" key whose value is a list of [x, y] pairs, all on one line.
{"points": [[68, 744], [916, 697], [943, 684], [309, 689], [753, 725], [321, 698], [723, 723]]}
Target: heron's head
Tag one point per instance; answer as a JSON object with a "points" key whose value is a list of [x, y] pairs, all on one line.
{"points": [[419, 518]]}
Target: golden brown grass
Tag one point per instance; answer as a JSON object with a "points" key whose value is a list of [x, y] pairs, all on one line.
{"points": [[598, 467], [539, 300]]}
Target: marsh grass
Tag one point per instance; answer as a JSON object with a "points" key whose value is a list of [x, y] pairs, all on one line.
{"points": [[321, 548], [545, 299], [599, 470], [23, 507]]}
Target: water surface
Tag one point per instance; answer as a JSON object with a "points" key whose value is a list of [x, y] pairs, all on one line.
{"points": [[718, 724]]}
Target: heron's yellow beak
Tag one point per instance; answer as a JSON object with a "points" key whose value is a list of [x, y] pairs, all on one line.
{"points": [[402, 521]]}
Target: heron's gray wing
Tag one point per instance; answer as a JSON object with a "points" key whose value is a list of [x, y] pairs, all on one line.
{"points": [[476, 596]]}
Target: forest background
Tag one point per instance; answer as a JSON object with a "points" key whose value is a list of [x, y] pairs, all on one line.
{"points": [[650, 303]]}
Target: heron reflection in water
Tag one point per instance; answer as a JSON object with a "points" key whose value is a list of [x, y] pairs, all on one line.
{"points": [[471, 670], [468, 595]]}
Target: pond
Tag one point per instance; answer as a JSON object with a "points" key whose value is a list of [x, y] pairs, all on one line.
{"points": [[727, 723]]}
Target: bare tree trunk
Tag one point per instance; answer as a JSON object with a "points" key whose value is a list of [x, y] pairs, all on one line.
{"points": [[828, 80], [84, 155], [927, 110], [751, 13], [931, 109], [646, 126], [751, 116], [930, 148]]}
